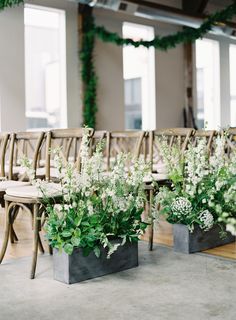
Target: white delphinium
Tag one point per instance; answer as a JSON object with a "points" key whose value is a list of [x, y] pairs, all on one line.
{"points": [[196, 165], [171, 156], [181, 206], [218, 159], [207, 220]]}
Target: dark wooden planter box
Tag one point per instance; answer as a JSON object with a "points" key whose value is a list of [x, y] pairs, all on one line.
{"points": [[77, 268], [198, 240]]}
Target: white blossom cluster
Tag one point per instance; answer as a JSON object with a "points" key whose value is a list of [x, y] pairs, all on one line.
{"points": [[181, 206], [207, 220]]}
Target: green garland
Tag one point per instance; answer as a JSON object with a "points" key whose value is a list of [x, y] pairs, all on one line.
{"points": [[171, 41], [88, 73], [9, 3], [91, 31], [162, 43]]}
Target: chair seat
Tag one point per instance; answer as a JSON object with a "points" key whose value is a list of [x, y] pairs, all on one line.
{"points": [[51, 190], [157, 177], [4, 185], [160, 168]]}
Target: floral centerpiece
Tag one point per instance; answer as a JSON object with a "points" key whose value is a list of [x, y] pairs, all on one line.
{"points": [[95, 207], [203, 188]]}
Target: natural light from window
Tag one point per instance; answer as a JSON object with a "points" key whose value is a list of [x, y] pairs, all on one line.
{"points": [[45, 67], [139, 79], [208, 83]]}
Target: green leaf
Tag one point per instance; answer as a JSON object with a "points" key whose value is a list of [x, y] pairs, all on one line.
{"points": [[66, 234], [97, 252], [68, 248], [75, 241]]}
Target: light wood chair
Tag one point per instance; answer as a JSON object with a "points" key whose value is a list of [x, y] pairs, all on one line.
{"points": [[132, 142], [209, 135], [15, 177], [4, 141], [29, 198], [231, 141], [173, 136]]}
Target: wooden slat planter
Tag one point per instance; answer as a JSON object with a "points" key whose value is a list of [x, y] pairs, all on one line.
{"points": [[198, 240], [77, 268]]}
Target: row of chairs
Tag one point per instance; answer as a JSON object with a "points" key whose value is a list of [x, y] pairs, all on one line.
{"points": [[15, 189], [36, 146]]}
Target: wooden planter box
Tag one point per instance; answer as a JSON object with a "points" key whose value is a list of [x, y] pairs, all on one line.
{"points": [[198, 240], [77, 268]]}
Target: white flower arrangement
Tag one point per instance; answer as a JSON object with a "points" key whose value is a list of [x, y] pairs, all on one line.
{"points": [[204, 193], [96, 207]]}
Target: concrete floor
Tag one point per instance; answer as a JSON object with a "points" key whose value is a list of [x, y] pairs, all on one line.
{"points": [[165, 286]]}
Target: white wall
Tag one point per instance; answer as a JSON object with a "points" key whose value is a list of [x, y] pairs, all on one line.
{"points": [[12, 79], [12, 86], [109, 67]]}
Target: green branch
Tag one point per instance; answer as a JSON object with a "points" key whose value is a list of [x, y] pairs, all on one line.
{"points": [[9, 3]]}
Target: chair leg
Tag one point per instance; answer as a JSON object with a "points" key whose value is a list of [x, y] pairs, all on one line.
{"points": [[36, 239], [150, 241], [6, 232], [41, 248], [14, 214]]}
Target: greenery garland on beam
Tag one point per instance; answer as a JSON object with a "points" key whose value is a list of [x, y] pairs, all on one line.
{"points": [[170, 41], [9, 3], [162, 43], [91, 31]]}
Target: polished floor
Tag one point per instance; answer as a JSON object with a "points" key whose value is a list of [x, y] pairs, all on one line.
{"points": [[162, 235]]}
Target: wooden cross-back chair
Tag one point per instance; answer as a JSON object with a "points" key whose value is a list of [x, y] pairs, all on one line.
{"points": [[21, 144], [231, 140], [208, 135], [29, 198], [132, 142], [98, 137], [69, 142], [4, 141], [24, 144], [173, 136]]}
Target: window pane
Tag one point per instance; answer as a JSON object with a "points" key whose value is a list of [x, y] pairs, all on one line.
{"points": [[139, 79], [208, 83], [45, 71]]}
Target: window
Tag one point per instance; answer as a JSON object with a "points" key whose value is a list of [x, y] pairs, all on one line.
{"points": [[45, 67], [232, 51], [208, 83], [139, 79]]}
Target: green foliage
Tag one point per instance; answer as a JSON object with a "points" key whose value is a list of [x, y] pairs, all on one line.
{"points": [[88, 73], [170, 41], [91, 31], [9, 3], [205, 191]]}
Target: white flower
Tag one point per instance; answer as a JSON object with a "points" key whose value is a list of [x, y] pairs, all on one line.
{"points": [[181, 206], [231, 227], [207, 220]]}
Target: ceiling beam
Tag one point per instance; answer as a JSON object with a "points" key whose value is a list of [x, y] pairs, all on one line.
{"points": [[194, 7]]}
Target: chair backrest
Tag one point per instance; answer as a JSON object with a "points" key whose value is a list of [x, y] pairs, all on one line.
{"points": [[132, 142], [231, 140], [4, 142], [23, 144], [208, 135], [173, 136], [69, 142]]}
